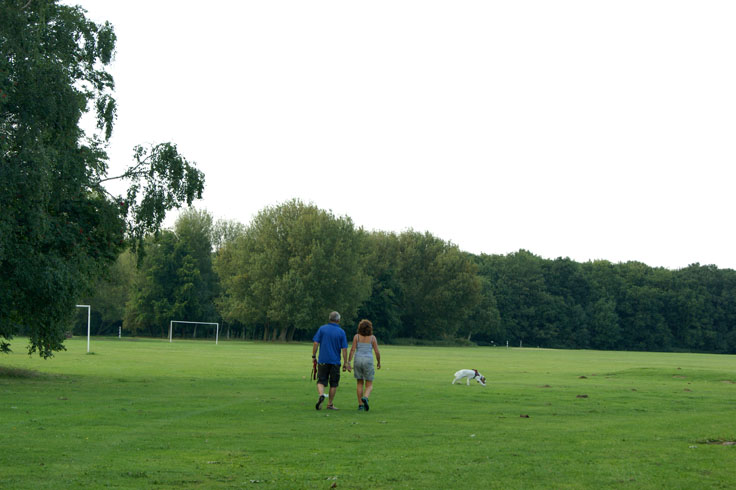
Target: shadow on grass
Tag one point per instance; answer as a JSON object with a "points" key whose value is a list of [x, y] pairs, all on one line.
{"points": [[19, 373]]}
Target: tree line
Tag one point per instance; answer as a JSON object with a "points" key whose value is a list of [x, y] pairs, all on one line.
{"points": [[278, 277]]}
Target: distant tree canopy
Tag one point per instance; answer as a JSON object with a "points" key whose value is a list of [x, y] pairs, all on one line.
{"points": [[291, 267], [601, 305], [109, 295], [59, 227], [422, 287], [279, 276], [176, 280]]}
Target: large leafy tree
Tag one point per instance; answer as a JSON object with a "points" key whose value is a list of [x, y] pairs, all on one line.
{"points": [[604, 326], [293, 265], [59, 226], [159, 290], [568, 293], [109, 296], [383, 307], [525, 305], [484, 323], [176, 279], [439, 284], [195, 232]]}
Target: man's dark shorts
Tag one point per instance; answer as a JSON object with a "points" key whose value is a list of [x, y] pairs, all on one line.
{"points": [[328, 371]]}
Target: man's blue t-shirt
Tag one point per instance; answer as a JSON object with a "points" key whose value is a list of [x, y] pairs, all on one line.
{"points": [[331, 339]]}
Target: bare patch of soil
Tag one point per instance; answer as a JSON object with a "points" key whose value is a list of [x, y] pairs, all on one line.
{"points": [[717, 442]]}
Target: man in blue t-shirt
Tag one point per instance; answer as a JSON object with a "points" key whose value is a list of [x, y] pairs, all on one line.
{"points": [[330, 339]]}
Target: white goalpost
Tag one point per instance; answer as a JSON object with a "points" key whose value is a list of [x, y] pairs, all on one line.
{"points": [[89, 315], [172, 322]]}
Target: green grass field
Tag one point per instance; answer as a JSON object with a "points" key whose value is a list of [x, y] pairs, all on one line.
{"points": [[192, 414]]}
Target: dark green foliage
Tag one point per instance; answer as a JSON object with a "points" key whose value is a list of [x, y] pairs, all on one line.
{"points": [[527, 309], [59, 227], [423, 287], [108, 297], [600, 305], [293, 265], [484, 323], [55, 229], [156, 291], [440, 287], [176, 280], [383, 307], [161, 179], [293, 257], [603, 324]]}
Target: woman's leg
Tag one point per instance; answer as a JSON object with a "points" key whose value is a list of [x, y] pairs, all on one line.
{"points": [[368, 389], [360, 391]]}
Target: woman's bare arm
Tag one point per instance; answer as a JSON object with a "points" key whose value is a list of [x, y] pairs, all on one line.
{"points": [[378, 352], [353, 347]]}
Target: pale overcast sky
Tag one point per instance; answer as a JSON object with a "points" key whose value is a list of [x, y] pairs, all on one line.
{"points": [[582, 129]]}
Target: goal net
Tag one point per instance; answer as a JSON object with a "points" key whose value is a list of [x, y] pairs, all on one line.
{"points": [[171, 328]]}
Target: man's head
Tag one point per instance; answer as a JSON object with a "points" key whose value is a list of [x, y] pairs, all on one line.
{"points": [[334, 317]]}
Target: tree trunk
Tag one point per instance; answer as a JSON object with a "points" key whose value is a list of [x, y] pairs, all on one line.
{"points": [[265, 333], [290, 337], [275, 331], [282, 335], [194, 335]]}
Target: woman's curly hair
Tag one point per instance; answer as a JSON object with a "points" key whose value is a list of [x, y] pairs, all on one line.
{"points": [[365, 328]]}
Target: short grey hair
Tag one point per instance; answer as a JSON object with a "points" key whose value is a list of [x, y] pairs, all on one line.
{"points": [[335, 317]]}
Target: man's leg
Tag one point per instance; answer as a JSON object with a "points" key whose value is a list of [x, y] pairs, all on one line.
{"points": [[322, 377], [321, 391], [334, 382]]}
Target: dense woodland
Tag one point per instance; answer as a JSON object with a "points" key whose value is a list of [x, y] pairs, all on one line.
{"points": [[278, 277]]}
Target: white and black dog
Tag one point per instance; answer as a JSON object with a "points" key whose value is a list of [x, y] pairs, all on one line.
{"points": [[469, 374]]}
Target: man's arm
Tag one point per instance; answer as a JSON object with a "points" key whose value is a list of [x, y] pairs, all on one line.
{"points": [[314, 350], [346, 363]]}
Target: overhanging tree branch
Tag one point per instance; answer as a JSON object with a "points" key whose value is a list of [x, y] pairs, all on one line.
{"points": [[59, 226]]}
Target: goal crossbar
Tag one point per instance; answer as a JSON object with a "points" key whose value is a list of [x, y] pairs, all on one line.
{"points": [[217, 329]]}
